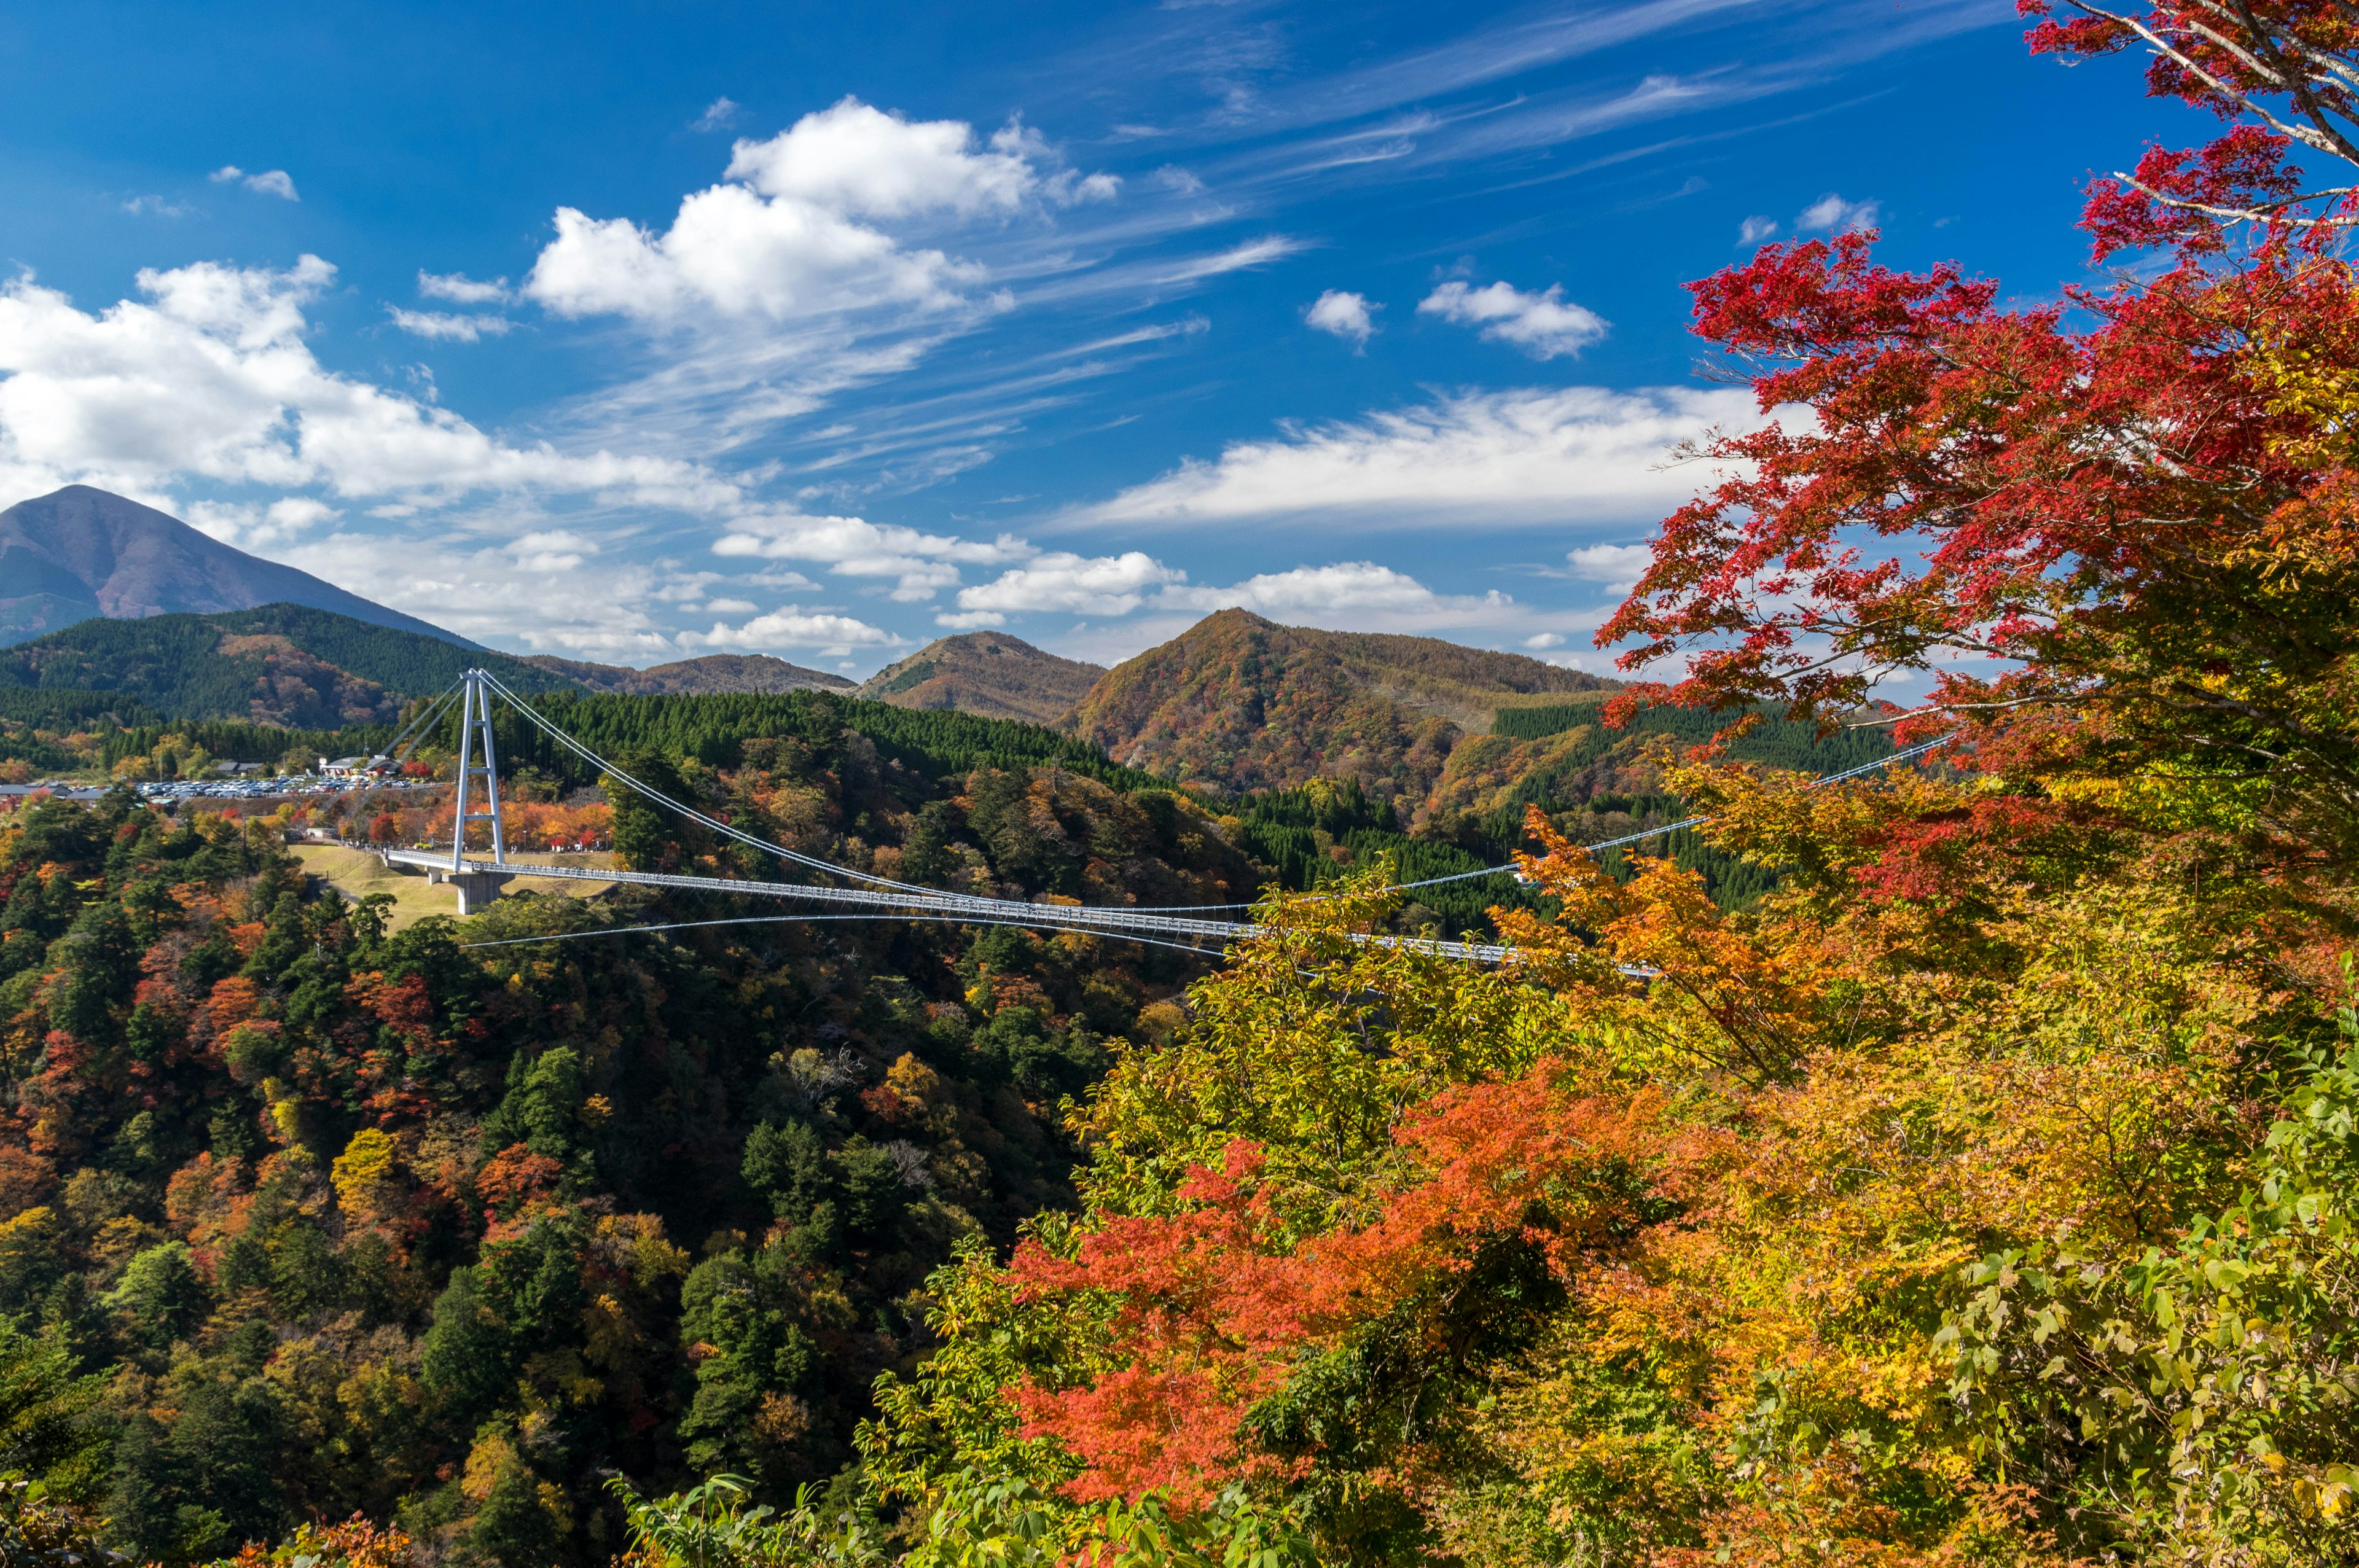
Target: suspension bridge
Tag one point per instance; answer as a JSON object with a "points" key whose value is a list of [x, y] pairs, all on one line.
{"points": [[855, 893]]}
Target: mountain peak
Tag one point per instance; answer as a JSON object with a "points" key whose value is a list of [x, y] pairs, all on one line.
{"points": [[81, 552], [1240, 702], [987, 673], [758, 673]]}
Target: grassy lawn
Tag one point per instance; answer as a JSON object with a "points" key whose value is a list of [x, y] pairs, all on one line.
{"points": [[356, 873]]}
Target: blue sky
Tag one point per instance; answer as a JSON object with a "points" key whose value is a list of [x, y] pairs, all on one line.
{"points": [[633, 332]]}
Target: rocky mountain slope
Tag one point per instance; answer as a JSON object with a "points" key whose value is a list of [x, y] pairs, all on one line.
{"points": [[713, 672], [987, 673], [79, 552], [1241, 703]]}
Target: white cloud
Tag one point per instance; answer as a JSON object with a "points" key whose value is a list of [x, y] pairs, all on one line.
{"points": [[861, 162], [1832, 213], [783, 237], [251, 526], [1618, 566], [210, 378], [158, 206], [1539, 641], [1543, 325], [1345, 315], [447, 326], [1171, 177], [970, 619], [718, 115], [1531, 455], [1753, 230], [1236, 258], [459, 290], [594, 610], [1349, 590], [1082, 585], [270, 181], [791, 628], [921, 564], [551, 550]]}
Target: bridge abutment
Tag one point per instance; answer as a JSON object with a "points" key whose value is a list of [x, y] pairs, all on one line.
{"points": [[478, 888]]}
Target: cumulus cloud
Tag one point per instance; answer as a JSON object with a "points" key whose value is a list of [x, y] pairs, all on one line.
{"points": [[551, 550], [923, 564], [1082, 585], [1543, 325], [1347, 316], [595, 609], [718, 115], [210, 376], [1618, 566], [1355, 595], [269, 182], [791, 628], [447, 326], [459, 290], [1346, 589], [791, 232], [158, 206], [1753, 230], [1540, 642], [1528, 456], [1832, 214]]}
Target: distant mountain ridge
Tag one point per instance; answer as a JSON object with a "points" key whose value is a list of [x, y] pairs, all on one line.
{"points": [[80, 552], [287, 665], [754, 672], [1241, 703], [986, 672]]}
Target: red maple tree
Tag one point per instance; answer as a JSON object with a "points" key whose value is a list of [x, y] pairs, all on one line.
{"points": [[2116, 533]]}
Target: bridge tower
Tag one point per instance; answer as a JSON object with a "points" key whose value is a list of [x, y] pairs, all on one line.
{"points": [[476, 888]]}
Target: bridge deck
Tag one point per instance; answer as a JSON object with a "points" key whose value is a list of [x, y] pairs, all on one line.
{"points": [[998, 911]]}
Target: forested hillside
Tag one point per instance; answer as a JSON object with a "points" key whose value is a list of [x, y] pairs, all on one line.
{"points": [[711, 673], [383, 1223], [282, 663], [1237, 703], [987, 673]]}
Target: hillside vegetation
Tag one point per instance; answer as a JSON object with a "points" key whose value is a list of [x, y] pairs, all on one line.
{"points": [[1238, 703], [362, 1219], [282, 663], [987, 673], [712, 672]]}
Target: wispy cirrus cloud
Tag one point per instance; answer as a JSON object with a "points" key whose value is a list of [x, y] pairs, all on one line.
{"points": [[447, 326]]}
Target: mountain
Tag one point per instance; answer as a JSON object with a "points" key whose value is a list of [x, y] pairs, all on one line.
{"points": [[79, 553], [1242, 703], [987, 673], [755, 673], [287, 665]]}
